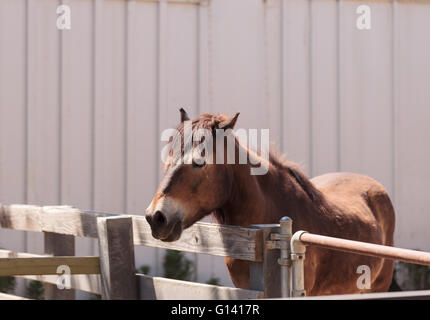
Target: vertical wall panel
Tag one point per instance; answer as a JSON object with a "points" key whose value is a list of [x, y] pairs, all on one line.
{"points": [[142, 129], [77, 113], [43, 108], [412, 92], [272, 71], [365, 92], [110, 107], [181, 63], [77, 106], [296, 82], [238, 55], [12, 112], [203, 27], [142, 106], [177, 71], [324, 86]]}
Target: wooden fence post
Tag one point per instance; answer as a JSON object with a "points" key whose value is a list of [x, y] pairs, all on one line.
{"points": [[117, 265], [265, 276], [59, 245]]}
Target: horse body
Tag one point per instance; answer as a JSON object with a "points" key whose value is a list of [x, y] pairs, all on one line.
{"points": [[365, 213], [344, 205], [355, 207]]}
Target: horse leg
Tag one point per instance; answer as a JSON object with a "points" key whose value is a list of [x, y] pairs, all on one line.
{"points": [[239, 272], [382, 208], [383, 281]]}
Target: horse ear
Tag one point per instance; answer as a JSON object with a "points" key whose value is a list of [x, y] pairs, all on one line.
{"points": [[230, 123], [184, 115]]}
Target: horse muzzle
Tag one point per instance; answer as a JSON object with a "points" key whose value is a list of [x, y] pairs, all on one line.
{"points": [[163, 227]]}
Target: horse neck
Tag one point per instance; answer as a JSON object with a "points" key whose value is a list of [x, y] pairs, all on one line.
{"points": [[261, 199]]}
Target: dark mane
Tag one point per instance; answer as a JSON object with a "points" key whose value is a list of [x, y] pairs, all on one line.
{"points": [[204, 121], [297, 174]]}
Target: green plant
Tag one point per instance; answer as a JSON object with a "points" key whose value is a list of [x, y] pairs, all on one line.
{"points": [[177, 266], [93, 296], [412, 276], [7, 284], [145, 269], [35, 290], [418, 276], [214, 281]]}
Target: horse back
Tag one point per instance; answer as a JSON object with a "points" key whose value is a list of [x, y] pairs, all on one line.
{"points": [[360, 204]]}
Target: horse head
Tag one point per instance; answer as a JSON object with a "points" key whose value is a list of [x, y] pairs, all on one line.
{"points": [[195, 181]]}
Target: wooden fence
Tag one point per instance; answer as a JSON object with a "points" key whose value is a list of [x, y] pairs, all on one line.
{"points": [[113, 274], [276, 256]]}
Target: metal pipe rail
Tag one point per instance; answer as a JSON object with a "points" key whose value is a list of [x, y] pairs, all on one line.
{"points": [[301, 239], [364, 248]]}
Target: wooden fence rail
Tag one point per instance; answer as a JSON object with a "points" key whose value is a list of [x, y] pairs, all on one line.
{"points": [[168, 289], [48, 265], [219, 240], [117, 234], [84, 282]]}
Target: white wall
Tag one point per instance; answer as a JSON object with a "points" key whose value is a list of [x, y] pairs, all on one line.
{"points": [[81, 110]]}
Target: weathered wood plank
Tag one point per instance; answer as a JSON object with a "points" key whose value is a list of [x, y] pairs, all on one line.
{"points": [[231, 241], [59, 245], [57, 219], [403, 295], [71, 221], [84, 282], [152, 288], [20, 217], [88, 282], [117, 263], [48, 265], [5, 296]]}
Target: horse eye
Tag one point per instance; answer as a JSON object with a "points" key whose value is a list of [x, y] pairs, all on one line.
{"points": [[199, 165]]}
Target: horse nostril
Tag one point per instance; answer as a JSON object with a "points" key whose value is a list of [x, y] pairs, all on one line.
{"points": [[159, 219], [148, 219]]}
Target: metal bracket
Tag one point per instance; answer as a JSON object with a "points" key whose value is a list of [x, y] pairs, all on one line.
{"points": [[278, 241], [285, 262], [297, 256], [298, 250], [299, 293]]}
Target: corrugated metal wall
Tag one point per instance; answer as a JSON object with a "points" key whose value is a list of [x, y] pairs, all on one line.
{"points": [[81, 110]]}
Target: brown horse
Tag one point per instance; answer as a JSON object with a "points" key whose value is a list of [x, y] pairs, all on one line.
{"points": [[344, 205]]}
